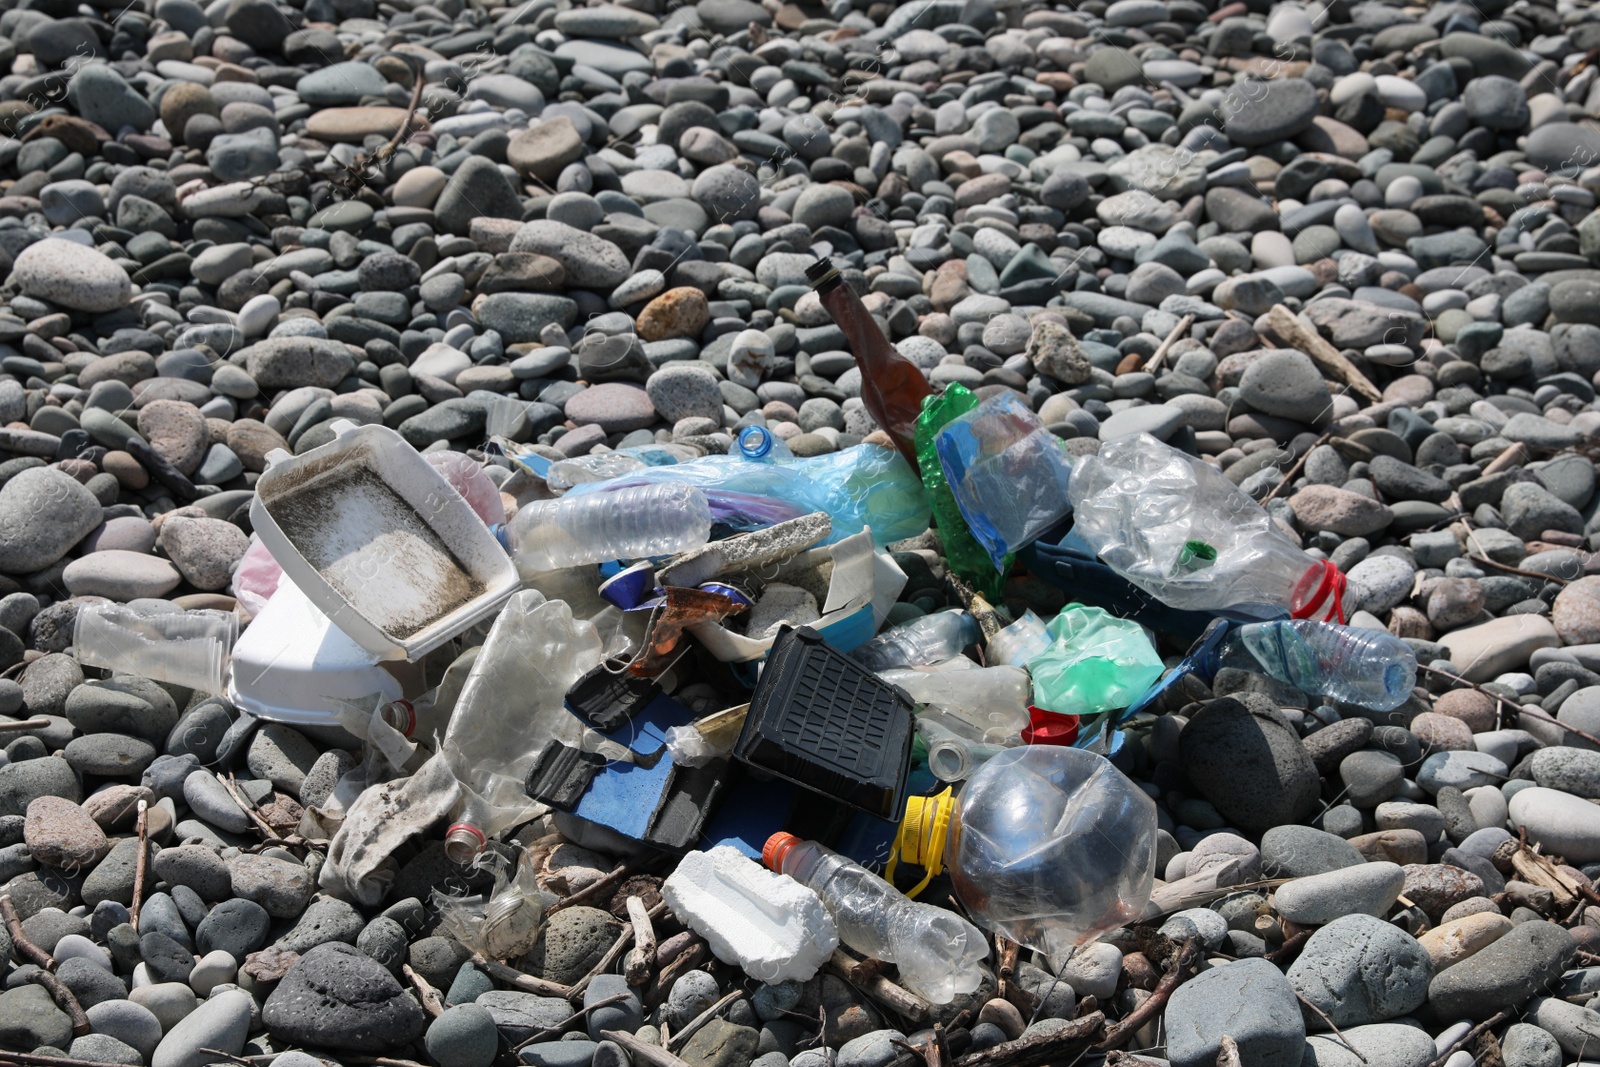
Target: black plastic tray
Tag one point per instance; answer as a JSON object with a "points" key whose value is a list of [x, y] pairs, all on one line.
{"points": [[826, 723]]}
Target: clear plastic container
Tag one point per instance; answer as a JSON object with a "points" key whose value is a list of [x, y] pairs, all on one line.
{"points": [[1008, 474], [929, 639], [1177, 528], [602, 466], [768, 925], [940, 955], [867, 485], [1366, 667], [187, 648], [1052, 847], [628, 523]]}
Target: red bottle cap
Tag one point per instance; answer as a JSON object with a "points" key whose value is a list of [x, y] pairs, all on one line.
{"points": [[1050, 728], [776, 848], [1319, 594]]}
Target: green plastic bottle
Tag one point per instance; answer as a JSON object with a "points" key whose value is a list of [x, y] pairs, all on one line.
{"points": [[967, 558]]}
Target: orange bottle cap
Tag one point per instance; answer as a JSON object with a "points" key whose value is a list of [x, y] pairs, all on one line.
{"points": [[777, 847]]}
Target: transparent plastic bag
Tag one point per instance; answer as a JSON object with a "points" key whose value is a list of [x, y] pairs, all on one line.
{"points": [[1096, 662], [505, 923], [1176, 527], [467, 477], [256, 577], [1008, 473], [1052, 847]]}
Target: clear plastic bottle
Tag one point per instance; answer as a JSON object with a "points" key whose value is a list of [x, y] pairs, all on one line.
{"points": [[929, 639], [510, 707], [1052, 847], [759, 445], [940, 954], [602, 466], [952, 754], [639, 521], [1366, 667], [1177, 528], [992, 701], [1019, 642], [866, 485]]}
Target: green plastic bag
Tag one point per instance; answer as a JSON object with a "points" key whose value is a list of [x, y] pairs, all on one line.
{"points": [[967, 558], [1096, 662]]}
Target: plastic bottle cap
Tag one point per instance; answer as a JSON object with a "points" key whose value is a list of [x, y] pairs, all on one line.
{"points": [[1322, 582], [1050, 728], [463, 841], [776, 848], [499, 531], [921, 838], [406, 721], [755, 441]]}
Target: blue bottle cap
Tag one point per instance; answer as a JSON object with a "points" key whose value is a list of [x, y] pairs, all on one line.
{"points": [[755, 442], [629, 589]]}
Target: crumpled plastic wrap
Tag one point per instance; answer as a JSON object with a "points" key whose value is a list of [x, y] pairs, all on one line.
{"points": [[505, 923], [1096, 662], [1052, 847]]}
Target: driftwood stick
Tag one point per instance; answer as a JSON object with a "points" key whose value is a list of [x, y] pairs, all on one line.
{"points": [[618, 947], [525, 982], [1180, 330], [1324, 1017], [690, 1028], [139, 863], [24, 945], [64, 998], [550, 1033], [248, 808], [1488, 1024], [691, 958], [649, 1055], [637, 967], [1063, 1045], [23, 724], [1228, 1054], [611, 878], [1183, 964], [1299, 334], [432, 1003], [865, 978]]}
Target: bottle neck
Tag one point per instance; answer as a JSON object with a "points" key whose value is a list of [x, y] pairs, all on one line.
{"points": [[463, 843]]}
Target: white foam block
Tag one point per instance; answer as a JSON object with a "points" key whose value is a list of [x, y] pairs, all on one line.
{"points": [[768, 924]]}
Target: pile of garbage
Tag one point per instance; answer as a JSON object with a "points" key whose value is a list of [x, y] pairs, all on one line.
{"points": [[963, 533]]}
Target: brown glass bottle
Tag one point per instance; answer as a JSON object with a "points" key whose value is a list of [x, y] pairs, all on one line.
{"points": [[892, 386]]}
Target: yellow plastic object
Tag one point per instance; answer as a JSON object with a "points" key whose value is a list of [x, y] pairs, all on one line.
{"points": [[920, 841]]}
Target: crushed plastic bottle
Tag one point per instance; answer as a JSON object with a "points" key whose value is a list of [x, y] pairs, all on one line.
{"points": [[964, 554], [926, 640], [563, 474], [993, 701], [866, 485], [628, 523], [1366, 667], [1096, 662], [1177, 528], [940, 955], [1007, 472], [767, 924], [509, 708], [1052, 847]]}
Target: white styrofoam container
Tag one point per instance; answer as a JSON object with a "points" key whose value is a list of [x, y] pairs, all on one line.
{"points": [[291, 664], [380, 541]]}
